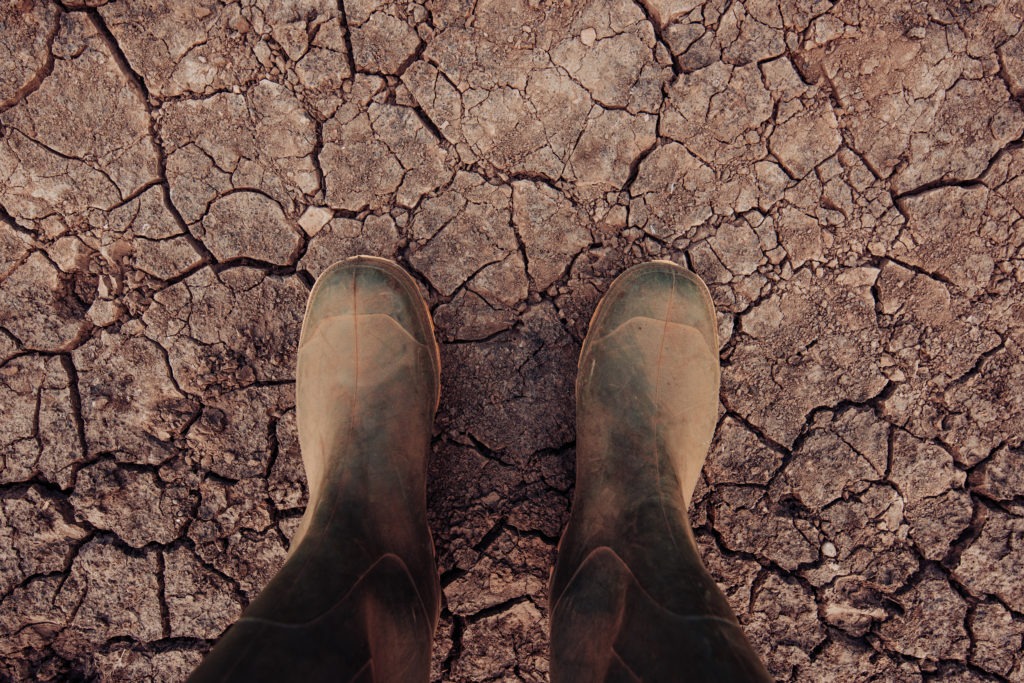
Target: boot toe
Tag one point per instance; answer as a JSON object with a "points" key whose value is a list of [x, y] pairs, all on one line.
{"points": [[367, 285], [366, 327], [657, 290], [647, 388]]}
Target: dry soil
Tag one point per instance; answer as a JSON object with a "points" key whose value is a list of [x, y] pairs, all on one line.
{"points": [[847, 176]]}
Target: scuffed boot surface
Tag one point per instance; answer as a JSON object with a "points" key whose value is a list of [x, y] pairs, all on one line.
{"points": [[632, 600], [358, 598]]}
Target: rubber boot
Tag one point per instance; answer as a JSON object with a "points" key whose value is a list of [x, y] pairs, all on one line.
{"points": [[358, 598], [631, 598]]}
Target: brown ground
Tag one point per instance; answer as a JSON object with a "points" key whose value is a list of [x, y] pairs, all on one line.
{"points": [[847, 176]]}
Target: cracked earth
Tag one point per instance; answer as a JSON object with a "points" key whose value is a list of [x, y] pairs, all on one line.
{"points": [[847, 176]]}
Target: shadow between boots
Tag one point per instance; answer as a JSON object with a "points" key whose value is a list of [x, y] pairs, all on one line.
{"points": [[358, 598]]}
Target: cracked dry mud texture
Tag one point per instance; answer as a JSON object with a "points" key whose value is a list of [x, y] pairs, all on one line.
{"points": [[847, 176]]}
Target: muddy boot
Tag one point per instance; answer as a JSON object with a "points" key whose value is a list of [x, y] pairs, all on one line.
{"points": [[631, 598], [358, 598]]}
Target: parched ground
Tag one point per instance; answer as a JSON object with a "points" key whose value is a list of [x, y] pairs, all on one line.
{"points": [[847, 176]]}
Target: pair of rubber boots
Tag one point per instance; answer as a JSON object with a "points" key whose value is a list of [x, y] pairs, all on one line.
{"points": [[358, 598]]}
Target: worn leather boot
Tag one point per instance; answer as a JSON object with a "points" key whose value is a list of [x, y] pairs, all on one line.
{"points": [[631, 598], [358, 598]]}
